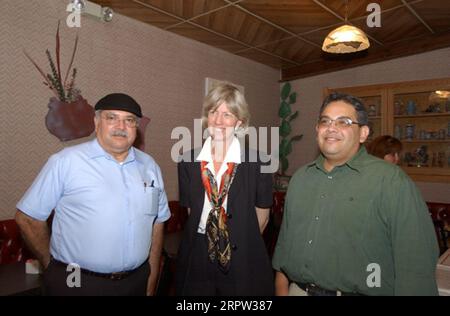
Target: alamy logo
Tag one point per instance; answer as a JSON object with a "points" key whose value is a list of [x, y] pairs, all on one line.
{"points": [[74, 278], [74, 18], [257, 139], [374, 18], [374, 278]]}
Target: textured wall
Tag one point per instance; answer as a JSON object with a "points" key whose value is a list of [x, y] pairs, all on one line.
{"points": [[418, 67], [164, 72]]}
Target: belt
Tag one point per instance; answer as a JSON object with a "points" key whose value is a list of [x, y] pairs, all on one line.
{"points": [[116, 276], [315, 290]]}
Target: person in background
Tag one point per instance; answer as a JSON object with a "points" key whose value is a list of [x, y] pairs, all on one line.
{"points": [[109, 207], [386, 147], [228, 197], [353, 224]]}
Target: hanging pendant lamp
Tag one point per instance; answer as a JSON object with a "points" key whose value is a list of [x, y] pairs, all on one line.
{"points": [[345, 39]]}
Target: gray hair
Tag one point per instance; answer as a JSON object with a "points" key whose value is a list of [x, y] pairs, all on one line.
{"points": [[235, 100], [355, 102]]}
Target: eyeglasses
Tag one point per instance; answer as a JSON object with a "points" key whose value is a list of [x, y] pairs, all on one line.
{"points": [[340, 122], [112, 119], [224, 115]]}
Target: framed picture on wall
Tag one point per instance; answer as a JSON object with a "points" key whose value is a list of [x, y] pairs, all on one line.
{"points": [[211, 83]]}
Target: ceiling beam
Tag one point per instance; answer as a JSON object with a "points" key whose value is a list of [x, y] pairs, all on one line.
{"points": [[411, 9]]}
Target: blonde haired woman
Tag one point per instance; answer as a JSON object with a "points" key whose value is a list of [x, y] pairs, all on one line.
{"points": [[228, 197]]}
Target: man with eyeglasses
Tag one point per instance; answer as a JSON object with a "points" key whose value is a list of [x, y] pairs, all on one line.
{"points": [[353, 224], [109, 207]]}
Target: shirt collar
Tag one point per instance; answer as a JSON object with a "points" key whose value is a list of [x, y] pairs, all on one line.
{"points": [[96, 150], [233, 153], [354, 163]]}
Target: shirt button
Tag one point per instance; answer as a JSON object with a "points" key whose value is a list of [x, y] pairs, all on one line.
{"points": [[317, 218], [310, 242], [330, 177], [322, 196], [229, 216], [234, 247]]}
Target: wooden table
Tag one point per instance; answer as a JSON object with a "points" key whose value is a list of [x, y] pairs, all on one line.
{"points": [[14, 280]]}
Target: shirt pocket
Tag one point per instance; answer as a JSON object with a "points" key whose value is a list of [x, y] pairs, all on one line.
{"points": [[151, 201], [351, 215]]}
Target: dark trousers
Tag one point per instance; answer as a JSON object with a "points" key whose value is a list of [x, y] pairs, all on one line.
{"points": [[204, 278], [57, 282]]}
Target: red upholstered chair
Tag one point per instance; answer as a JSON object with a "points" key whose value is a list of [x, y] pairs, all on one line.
{"points": [[444, 217], [270, 234], [278, 207], [12, 246], [178, 219], [440, 214]]}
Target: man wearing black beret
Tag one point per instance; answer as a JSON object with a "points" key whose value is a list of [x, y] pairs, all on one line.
{"points": [[109, 210]]}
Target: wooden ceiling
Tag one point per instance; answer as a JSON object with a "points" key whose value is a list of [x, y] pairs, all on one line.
{"points": [[288, 34]]}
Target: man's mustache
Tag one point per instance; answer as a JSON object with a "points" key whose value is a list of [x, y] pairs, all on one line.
{"points": [[119, 133]]}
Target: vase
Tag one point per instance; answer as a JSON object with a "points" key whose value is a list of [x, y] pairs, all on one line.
{"points": [[411, 107], [398, 132], [410, 131], [398, 108], [372, 110], [68, 121]]}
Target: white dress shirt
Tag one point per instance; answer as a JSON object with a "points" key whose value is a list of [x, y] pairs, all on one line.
{"points": [[233, 155]]}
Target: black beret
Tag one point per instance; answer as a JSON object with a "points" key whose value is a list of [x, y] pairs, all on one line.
{"points": [[119, 101]]}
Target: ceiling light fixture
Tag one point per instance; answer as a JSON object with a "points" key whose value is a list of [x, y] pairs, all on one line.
{"points": [[107, 14], [345, 39]]}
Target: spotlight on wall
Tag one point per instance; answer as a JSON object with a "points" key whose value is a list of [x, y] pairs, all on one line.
{"points": [[92, 9], [78, 5], [107, 14]]}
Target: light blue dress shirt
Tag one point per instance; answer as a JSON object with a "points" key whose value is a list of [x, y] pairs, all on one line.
{"points": [[104, 210]]}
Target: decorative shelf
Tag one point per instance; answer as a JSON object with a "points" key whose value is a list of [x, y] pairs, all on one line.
{"points": [[405, 141], [422, 115]]}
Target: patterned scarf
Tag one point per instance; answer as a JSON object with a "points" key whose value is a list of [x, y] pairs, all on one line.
{"points": [[216, 225]]}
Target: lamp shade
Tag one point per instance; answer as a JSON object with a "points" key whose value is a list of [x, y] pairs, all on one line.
{"points": [[345, 39]]}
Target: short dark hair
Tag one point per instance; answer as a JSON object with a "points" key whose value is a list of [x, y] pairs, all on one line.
{"points": [[384, 145], [356, 103]]}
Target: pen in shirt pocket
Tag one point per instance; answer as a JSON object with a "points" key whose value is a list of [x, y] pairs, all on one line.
{"points": [[146, 185]]}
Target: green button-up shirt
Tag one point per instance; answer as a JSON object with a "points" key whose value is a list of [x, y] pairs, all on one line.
{"points": [[363, 227]]}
